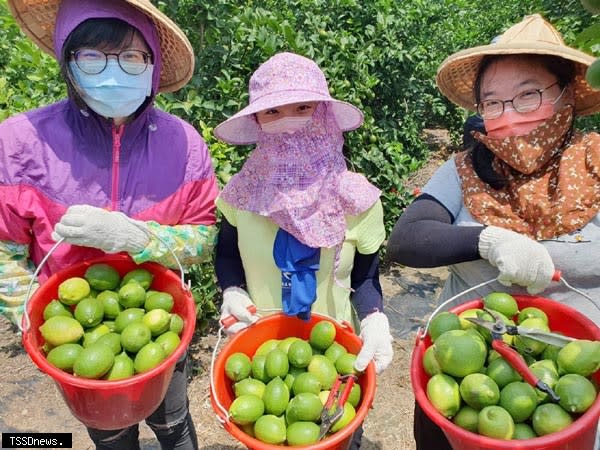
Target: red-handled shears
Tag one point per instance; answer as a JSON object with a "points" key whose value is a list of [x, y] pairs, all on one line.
{"points": [[498, 328], [227, 321], [334, 406]]}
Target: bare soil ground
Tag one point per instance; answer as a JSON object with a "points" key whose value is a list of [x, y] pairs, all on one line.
{"points": [[30, 401]]}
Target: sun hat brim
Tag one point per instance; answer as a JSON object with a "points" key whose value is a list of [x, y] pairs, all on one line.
{"points": [[38, 17], [242, 128], [457, 74]]}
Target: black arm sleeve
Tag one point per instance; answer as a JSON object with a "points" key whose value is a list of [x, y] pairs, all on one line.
{"points": [[424, 236], [228, 262], [364, 279]]}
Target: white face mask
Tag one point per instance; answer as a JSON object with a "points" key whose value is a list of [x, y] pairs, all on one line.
{"points": [[288, 124]]}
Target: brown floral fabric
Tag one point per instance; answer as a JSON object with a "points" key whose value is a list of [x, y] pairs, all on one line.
{"points": [[562, 196]]}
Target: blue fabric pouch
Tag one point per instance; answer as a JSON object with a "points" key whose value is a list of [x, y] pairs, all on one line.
{"points": [[298, 264]]}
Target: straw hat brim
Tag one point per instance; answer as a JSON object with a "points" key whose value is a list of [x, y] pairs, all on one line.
{"points": [[457, 74], [38, 17], [242, 128]]}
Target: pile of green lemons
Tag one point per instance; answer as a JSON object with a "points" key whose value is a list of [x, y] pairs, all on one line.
{"points": [[103, 326], [281, 390], [476, 388]]}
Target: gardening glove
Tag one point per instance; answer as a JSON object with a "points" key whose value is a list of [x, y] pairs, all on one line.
{"points": [[377, 343], [519, 259], [235, 303], [109, 231]]}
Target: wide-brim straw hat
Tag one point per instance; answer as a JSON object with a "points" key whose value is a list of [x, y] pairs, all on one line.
{"points": [[457, 74], [284, 79], [37, 19]]}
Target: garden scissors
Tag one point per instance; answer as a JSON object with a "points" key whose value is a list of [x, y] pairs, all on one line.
{"points": [[334, 406], [498, 328]]}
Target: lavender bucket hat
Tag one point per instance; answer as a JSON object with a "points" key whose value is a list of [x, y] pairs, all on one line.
{"points": [[284, 79]]}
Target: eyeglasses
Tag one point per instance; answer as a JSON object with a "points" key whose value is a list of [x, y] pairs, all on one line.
{"points": [[93, 62], [524, 102]]}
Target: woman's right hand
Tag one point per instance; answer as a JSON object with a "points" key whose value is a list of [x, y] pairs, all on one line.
{"points": [[520, 259], [235, 303]]}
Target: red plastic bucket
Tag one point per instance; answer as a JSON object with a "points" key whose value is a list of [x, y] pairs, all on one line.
{"points": [[579, 436], [111, 405], [280, 326]]}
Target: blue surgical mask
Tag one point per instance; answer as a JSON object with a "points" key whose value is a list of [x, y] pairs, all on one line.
{"points": [[113, 92]]}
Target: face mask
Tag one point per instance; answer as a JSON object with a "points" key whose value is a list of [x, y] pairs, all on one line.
{"points": [[289, 124], [513, 123], [113, 92]]}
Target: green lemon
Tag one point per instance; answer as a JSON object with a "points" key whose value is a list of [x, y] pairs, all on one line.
{"points": [[581, 357], [284, 345], [128, 316], [519, 399], [159, 300], [347, 416], [93, 361], [478, 391], [258, 368], [169, 341], [531, 312], [468, 313], [246, 409], [122, 368], [323, 369], [63, 357], [523, 431], [238, 366], [60, 330], [141, 276], [430, 364], [546, 370], [495, 422], [157, 320], [322, 334], [306, 382], [110, 301], [102, 276], [550, 418], [355, 394], [112, 340], [277, 364], [444, 395], [270, 429], [334, 351], [110, 324], [132, 295], [176, 324], [300, 353], [501, 302], [467, 418], [460, 352], [249, 386], [89, 312], [443, 322], [56, 308], [305, 406], [92, 335], [345, 364], [502, 372], [527, 345], [73, 290], [148, 357], [576, 393], [303, 433], [266, 347], [135, 336], [276, 397]]}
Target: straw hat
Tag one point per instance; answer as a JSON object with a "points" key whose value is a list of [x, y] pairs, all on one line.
{"points": [[37, 19], [284, 79], [456, 75]]}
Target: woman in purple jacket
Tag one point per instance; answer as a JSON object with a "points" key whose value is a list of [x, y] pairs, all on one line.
{"points": [[104, 169]]}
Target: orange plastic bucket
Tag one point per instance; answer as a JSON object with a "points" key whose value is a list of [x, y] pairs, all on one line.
{"points": [[579, 436], [111, 405], [280, 326]]}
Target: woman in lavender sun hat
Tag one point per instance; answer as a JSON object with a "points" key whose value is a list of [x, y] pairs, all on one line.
{"points": [[300, 232]]}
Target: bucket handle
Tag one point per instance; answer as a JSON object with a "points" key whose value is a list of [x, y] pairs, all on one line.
{"points": [[27, 321], [224, 411], [557, 276]]}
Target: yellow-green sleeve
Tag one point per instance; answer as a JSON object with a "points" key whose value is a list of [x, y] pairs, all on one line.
{"points": [[370, 229]]}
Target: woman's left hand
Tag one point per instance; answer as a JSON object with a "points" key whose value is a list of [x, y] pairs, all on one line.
{"points": [[110, 231], [377, 343]]}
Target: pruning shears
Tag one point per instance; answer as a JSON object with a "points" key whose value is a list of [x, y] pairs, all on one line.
{"points": [[499, 328], [334, 406]]}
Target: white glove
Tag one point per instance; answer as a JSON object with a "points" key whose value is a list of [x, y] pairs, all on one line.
{"points": [[235, 303], [377, 343], [110, 231], [519, 259]]}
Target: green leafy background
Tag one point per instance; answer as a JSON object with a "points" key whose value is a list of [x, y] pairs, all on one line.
{"points": [[381, 55]]}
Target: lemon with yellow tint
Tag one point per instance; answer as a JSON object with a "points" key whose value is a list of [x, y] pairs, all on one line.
{"points": [[139, 275], [443, 393], [157, 320], [284, 345], [148, 357], [89, 312], [495, 422], [266, 347], [246, 409], [92, 335], [169, 341], [576, 393], [238, 366], [270, 429], [132, 295], [468, 313], [581, 357], [347, 416], [159, 300], [176, 324], [276, 397], [550, 418], [63, 357], [110, 302], [323, 369], [56, 308], [135, 336], [430, 364], [322, 335], [302, 433], [73, 290], [93, 362], [60, 330], [102, 276], [300, 353], [122, 368]]}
